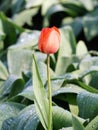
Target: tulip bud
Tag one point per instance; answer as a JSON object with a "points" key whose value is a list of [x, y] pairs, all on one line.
{"points": [[49, 41]]}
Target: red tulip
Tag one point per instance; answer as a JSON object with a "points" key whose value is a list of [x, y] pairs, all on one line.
{"points": [[49, 41]]}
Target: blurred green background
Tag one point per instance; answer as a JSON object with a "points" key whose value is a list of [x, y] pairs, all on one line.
{"points": [[74, 69]]}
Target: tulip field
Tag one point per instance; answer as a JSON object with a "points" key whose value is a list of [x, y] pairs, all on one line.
{"points": [[48, 65]]}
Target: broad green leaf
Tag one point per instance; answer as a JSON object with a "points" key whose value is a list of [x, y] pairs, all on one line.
{"points": [[69, 88], [93, 125], [12, 86], [65, 63], [27, 40], [40, 56], [89, 70], [10, 29], [68, 94], [73, 78], [43, 71], [31, 3], [40, 97], [88, 105], [67, 46], [17, 6], [73, 66], [1, 84], [19, 60], [5, 5], [25, 17], [77, 125], [61, 118], [74, 109], [84, 86], [27, 93], [88, 4], [81, 49], [55, 8], [74, 6], [87, 62], [90, 27], [90, 76], [68, 41], [75, 2], [26, 119], [9, 109], [47, 4], [2, 34], [93, 82], [76, 24], [56, 84], [1, 45], [3, 72]]}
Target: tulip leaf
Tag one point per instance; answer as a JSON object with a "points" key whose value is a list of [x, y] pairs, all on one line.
{"points": [[77, 125], [26, 119], [90, 76], [17, 6], [27, 40], [9, 109], [3, 72], [68, 36], [46, 5], [84, 86], [27, 93], [81, 49], [40, 97], [65, 63], [93, 125], [88, 105], [31, 3], [20, 19], [2, 34], [61, 118], [53, 9], [12, 86], [88, 4], [90, 23], [67, 47], [68, 88], [75, 7], [89, 70], [43, 72], [28, 90], [74, 23], [5, 5], [10, 29], [19, 60]]}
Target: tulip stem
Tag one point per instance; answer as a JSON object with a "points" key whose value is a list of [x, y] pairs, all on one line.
{"points": [[49, 93]]}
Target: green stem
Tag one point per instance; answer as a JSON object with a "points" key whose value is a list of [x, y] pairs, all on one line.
{"points": [[49, 93]]}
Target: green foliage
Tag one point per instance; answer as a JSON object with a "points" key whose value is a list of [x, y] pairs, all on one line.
{"points": [[74, 69], [93, 125], [40, 97], [77, 124], [88, 105], [9, 109]]}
